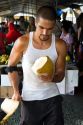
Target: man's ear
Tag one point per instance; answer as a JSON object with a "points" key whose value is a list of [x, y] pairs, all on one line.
{"points": [[35, 23]]}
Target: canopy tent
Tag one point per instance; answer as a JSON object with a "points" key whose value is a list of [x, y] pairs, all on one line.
{"points": [[72, 12], [11, 7]]}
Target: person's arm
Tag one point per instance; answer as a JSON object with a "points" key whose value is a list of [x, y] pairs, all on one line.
{"points": [[15, 56], [60, 63]]}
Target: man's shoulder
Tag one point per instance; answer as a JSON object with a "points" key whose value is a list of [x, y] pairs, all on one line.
{"points": [[60, 44], [24, 38], [22, 42]]}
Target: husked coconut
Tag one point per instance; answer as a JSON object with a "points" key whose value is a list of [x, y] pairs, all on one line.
{"points": [[43, 66], [9, 105]]}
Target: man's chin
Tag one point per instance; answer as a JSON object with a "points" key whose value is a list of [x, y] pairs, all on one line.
{"points": [[43, 39]]}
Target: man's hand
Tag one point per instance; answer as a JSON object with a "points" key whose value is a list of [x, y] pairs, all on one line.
{"points": [[46, 78], [17, 96]]}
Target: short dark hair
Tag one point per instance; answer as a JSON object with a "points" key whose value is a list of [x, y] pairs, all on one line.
{"points": [[46, 12], [66, 25]]}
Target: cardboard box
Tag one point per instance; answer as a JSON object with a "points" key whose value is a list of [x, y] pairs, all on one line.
{"points": [[6, 92]]}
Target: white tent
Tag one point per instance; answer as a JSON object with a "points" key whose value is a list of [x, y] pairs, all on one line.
{"points": [[71, 14]]}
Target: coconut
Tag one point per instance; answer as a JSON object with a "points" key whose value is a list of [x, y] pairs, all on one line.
{"points": [[9, 106], [43, 66]]}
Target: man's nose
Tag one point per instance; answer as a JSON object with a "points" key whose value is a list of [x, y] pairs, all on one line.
{"points": [[45, 31]]}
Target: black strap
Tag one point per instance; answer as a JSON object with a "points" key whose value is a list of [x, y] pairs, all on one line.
{"points": [[11, 69]]}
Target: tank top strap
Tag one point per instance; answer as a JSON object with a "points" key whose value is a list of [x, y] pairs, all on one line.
{"points": [[30, 38], [53, 41], [53, 47]]}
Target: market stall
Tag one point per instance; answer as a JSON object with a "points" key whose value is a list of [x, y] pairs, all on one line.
{"points": [[66, 86]]}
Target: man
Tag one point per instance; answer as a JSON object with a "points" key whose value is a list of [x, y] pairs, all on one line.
{"points": [[23, 24], [12, 34], [41, 100]]}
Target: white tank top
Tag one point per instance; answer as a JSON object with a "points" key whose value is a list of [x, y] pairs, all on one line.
{"points": [[33, 87]]}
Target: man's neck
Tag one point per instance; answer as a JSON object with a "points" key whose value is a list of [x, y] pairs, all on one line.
{"points": [[37, 43]]}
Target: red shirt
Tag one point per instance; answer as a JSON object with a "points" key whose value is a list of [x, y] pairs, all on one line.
{"points": [[2, 46], [13, 34]]}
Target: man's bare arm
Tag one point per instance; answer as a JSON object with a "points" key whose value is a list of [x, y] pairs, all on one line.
{"points": [[60, 63], [15, 56]]}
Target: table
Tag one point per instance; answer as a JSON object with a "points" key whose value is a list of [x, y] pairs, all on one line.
{"points": [[70, 81], [66, 86]]}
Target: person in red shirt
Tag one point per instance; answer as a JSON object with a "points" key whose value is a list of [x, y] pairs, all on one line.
{"points": [[2, 45], [12, 34]]}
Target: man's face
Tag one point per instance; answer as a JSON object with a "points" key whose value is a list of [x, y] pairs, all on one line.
{"points": [[44, 28]]}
